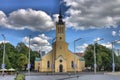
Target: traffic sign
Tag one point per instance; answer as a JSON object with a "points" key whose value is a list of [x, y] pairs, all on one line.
{"points": [[29, 66]]}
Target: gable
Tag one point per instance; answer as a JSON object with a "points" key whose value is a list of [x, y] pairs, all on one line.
{"points": [[61, 58]]}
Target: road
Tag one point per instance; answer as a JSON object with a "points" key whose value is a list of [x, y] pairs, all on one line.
{"points": [[89, 76]]}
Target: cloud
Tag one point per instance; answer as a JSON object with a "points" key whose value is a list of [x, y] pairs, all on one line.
{"points": [[82, 47], [114, 33], [55, 17], [108, 45], [27, 18], [85, 14], [3, 18], [3, 42], [39, 42], [98, 39]]}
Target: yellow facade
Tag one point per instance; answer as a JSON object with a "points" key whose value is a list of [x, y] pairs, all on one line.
{"points": [[60, 59]]}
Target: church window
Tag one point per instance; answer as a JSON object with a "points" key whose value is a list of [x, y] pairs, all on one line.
{"points": [[72, 64], [48, 64], [60, 60], [61, 30]]}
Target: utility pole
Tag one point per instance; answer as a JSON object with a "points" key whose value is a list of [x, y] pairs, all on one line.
{"points": [[75, 56], [113, 61], [95, 65], [3, 64], [29, 65]]}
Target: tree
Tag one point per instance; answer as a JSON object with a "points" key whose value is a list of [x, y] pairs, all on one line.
{"points": [[89, 61], [23, 49], [103, 57], [9, 54], [22, 61], [17, 57]]}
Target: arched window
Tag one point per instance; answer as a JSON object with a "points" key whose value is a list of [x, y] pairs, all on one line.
{"points": [[48, 64], [72, 64]]}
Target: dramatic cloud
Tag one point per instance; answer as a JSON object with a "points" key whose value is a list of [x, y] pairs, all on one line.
{"points": [[27, 18], [39, 43], [84, 14]]}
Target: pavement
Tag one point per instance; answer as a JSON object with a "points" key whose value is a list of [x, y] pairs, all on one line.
{"points": [[82, 76], [113, 73]]}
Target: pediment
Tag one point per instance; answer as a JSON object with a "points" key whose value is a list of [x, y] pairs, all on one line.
{"points": [[61, 58]]}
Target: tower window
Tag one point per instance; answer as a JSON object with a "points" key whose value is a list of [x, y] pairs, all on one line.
{"points": [[48, 64]]}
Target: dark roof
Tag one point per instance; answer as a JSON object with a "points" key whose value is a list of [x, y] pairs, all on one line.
{"points": [[82, 59], [37, 59], [80, 54]]}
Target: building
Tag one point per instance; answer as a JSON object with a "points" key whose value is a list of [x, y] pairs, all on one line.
{"points": [[60, 59]]}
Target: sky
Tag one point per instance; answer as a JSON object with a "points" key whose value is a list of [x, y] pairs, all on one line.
{"points": [[86, 19]]}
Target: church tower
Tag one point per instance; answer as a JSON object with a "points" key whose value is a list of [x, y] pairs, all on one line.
{"points": [[61, 45]]}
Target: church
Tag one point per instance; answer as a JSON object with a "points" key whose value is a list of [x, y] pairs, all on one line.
{"points": [[60, 59]]}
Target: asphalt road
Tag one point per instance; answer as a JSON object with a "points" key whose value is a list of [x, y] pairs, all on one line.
{"points": [[87, 76]]}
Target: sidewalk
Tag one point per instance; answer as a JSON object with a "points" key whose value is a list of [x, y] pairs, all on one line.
{"points": [[112, 73]]}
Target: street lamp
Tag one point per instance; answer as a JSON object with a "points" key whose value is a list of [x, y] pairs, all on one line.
{"points": [[3, 64], [95, 65], [74, 55], [29, 65], [53, 64], [113, 60]]}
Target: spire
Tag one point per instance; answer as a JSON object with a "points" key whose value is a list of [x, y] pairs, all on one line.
{"points": [[60, 15]]}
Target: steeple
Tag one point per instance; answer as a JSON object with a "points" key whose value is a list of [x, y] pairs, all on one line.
{"points": [[60, 15]]}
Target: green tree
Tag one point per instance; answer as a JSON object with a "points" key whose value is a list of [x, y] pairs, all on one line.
{"points": [[11, 54], [17, 57], [103, 57], [22, 61], [23, 49]]}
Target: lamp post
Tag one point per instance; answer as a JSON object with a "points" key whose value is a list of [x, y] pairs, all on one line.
{"points": [[53, 62], [113, 60], [3, 64], [74, 55], [95, 65], [29, 65]]}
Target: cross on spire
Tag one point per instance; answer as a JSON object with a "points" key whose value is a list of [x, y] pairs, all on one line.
{"points": [[60, 14]]}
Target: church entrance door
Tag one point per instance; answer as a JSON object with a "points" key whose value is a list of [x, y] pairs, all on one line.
{"points": [[61, 68]]}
